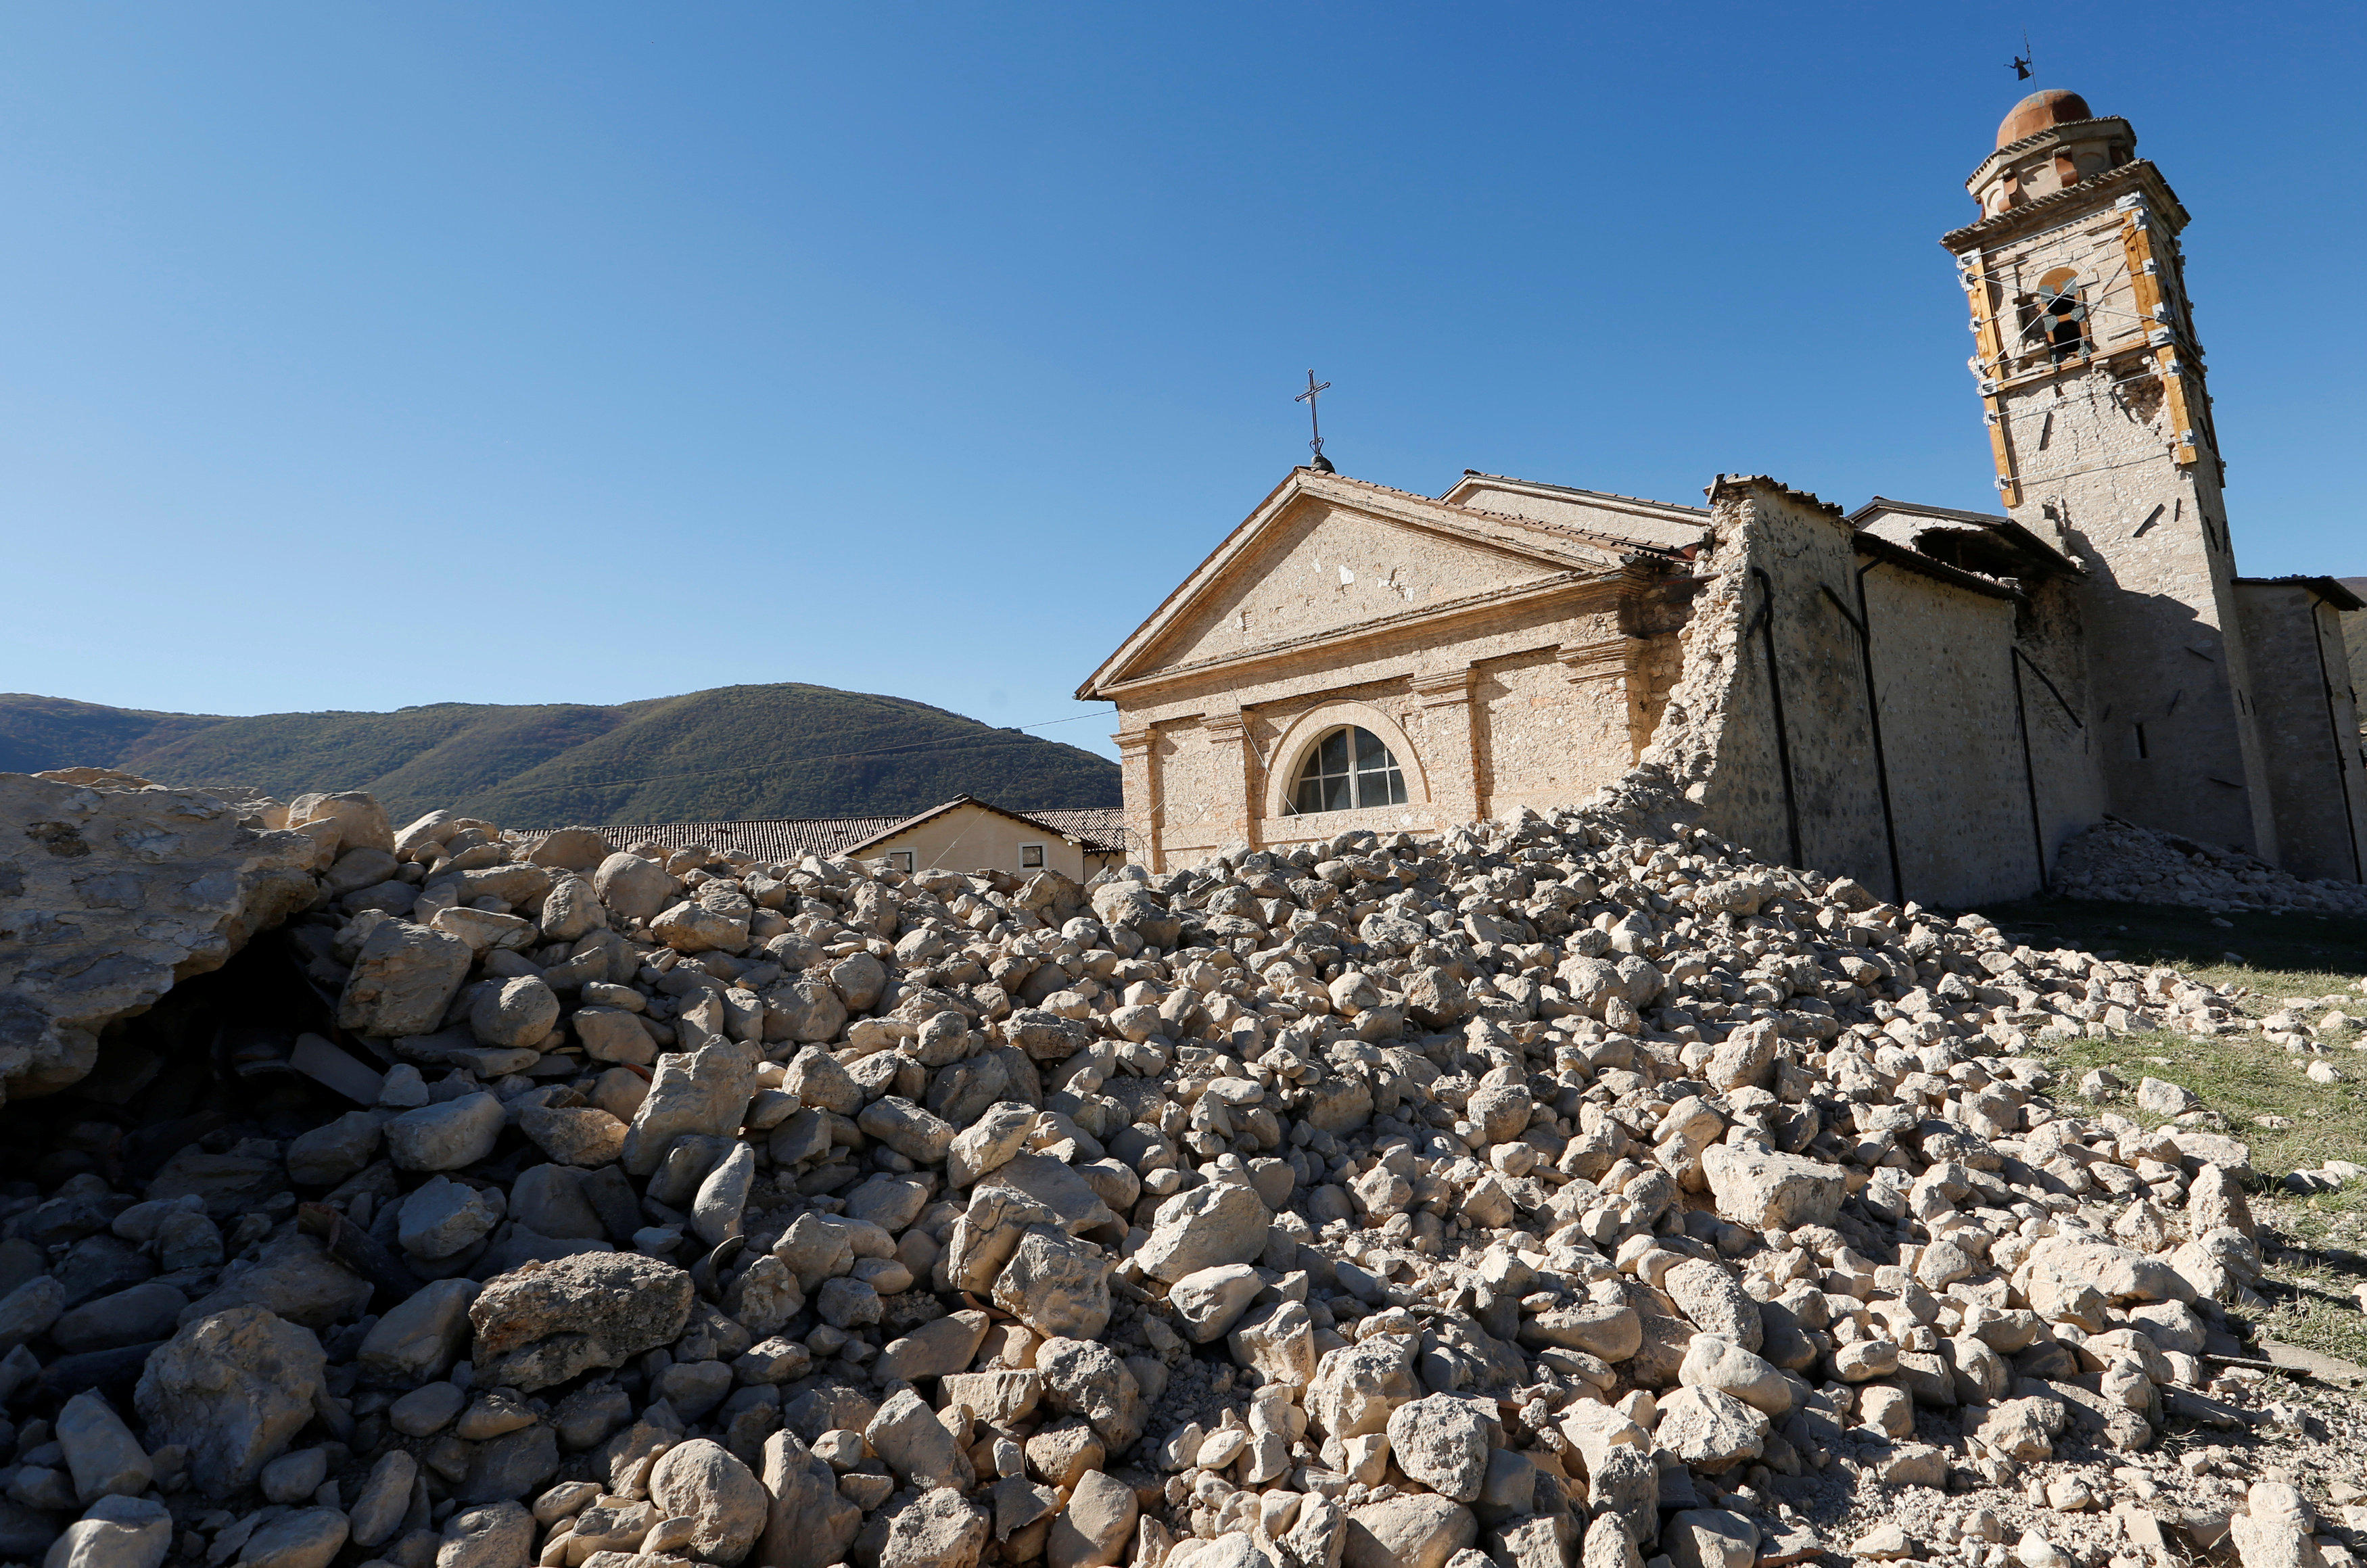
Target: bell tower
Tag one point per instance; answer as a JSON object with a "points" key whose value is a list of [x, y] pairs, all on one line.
{"points": [[2091, 380]]}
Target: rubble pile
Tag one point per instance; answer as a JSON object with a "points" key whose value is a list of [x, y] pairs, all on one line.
{"points": [[2120, 863], [1568, 1190]]}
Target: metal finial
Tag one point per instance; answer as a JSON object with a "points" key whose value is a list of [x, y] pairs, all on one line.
{"points": [[1322, 464]]}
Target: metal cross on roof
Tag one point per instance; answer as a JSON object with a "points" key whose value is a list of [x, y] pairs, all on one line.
{"points": [[1315, 424]]}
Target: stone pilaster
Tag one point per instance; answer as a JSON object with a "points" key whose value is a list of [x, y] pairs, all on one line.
{"points": [[1627, 660], [1233, 773], [1450, 759], [1139, 780]]}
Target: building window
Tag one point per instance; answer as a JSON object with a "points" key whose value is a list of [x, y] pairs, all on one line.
{"points": [[900, 860], [2060, 325], [1031, 857], [1349, 767]]}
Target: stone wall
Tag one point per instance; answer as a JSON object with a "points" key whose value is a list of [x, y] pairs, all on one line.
{"points": [[1960, 796], [2308, 727], [1809, 789], [2060, 710], [1800, 787], [2354, 644]]}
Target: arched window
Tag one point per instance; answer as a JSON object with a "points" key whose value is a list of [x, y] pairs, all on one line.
{"points": [[1348, 767], [2062, 315]]}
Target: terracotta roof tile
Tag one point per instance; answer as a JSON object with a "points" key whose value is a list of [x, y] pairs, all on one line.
{"points": [[2084, 190], [1574, 489], [786, 839], [1558, 530]]}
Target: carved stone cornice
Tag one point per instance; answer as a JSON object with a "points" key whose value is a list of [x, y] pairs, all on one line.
{"points": [[1229, 727], [1595, 660], [1442, 688]]}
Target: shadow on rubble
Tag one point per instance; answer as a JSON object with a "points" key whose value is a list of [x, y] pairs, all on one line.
{"points": [[2164, 933], [208, 1066]]}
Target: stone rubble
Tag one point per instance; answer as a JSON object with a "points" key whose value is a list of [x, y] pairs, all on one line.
{"points": [[1568, 1190], [2120, 863]]}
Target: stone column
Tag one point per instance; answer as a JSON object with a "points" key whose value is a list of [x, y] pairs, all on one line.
{"points": [[1138, 776], [1232, 774], [1450, 759]]}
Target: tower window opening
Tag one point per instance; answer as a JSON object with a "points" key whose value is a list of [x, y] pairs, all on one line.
{"points": [[1348, 767], [2060, 320]]}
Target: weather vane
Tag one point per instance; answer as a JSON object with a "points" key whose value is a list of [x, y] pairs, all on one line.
{"points": [[2022, 61], [1321, 463]]}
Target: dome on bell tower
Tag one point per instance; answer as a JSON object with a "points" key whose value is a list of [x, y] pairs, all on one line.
{"points": [[2049, 143], [2042, 112]]}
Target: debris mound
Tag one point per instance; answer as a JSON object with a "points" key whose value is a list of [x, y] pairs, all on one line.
{"points": [[1572, 1189], [2121, 862]]}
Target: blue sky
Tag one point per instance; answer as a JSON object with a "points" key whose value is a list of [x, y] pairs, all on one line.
{"points": [[364, 355]]}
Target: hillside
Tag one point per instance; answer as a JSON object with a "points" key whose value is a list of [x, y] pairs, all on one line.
{"points": [[730, 753]]}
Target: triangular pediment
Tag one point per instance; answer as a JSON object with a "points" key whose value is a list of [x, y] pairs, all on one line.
{"points": [[1324, 556]]}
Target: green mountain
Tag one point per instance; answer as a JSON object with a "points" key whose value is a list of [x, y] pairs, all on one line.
{"points": [[732, 753]]}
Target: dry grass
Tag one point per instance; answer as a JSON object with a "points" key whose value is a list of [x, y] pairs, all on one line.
{"points": [[2316, 1247]]}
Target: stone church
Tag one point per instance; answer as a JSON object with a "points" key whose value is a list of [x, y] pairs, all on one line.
{"points": [[1930, 700]]}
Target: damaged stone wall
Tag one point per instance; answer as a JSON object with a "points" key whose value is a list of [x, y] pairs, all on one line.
{"points": [[111, 896], [2059, 712], [1803, 787], [1801, 790], [2308, 727], [1547, 731]]}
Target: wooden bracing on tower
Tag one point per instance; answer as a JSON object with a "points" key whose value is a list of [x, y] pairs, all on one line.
{"points": [[1988, 339], [2137, 242]]}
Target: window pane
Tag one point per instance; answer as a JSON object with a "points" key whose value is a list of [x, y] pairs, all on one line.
{"points": [[1335, 751], [1309, 797], [1396, 787], [1370, 752], [1335, 793]]}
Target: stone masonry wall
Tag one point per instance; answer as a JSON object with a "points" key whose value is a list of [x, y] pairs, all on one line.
{"points": [[2057, 699], [2308, 729], [1544, 734], [2354, 644], [1720, 739], [1943, 662], [1959, 793]]}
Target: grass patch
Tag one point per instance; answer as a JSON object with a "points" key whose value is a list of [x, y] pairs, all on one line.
{"points": [[2315, 1247]]}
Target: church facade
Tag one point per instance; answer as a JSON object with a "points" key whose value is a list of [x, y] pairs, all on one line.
{"points": [[1930, 700]]}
